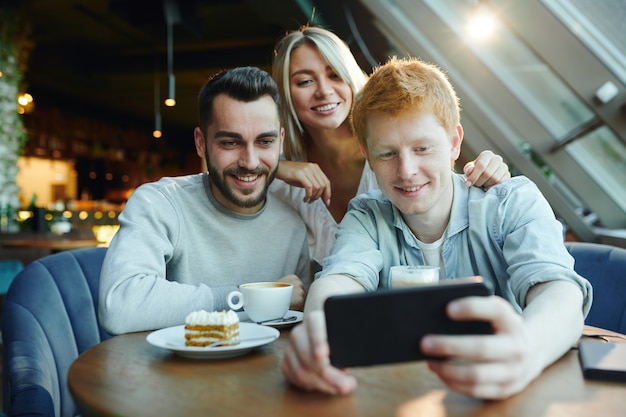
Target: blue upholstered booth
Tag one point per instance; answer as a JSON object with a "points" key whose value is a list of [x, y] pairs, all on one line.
{"points": [[50, 317], [605, 267]]}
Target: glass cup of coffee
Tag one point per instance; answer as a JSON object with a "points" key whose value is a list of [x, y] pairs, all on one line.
{"points": [[413, 275]]}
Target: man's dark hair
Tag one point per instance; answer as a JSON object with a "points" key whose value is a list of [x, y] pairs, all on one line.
{"points": [[242, 84]]}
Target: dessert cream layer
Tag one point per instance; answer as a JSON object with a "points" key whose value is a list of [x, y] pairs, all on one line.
{"points": [[203, 328]]}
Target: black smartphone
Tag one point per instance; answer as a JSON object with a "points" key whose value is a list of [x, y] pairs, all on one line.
{"points": [[386, 326], [603, 361]]}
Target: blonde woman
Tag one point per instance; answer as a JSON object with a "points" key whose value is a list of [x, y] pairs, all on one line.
{"points": [[318, 77]]}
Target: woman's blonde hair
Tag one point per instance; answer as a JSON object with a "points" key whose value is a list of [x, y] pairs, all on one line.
{"points": [[406, 85], [335, 52]]}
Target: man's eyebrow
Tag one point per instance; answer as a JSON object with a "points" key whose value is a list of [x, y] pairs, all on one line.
{"points": [[226, 134], [220, 134], [268, 134]]}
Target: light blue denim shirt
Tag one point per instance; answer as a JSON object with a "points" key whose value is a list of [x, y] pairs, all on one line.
{"points": [[508, 235]]}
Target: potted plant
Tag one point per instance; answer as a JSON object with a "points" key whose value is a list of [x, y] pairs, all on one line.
{"points": [[14, 50]]}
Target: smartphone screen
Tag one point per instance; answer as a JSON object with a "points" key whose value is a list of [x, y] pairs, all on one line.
{"points": [[386, 326]]}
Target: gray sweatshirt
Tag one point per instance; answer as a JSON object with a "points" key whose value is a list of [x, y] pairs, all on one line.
{"points": [[178, 250]]}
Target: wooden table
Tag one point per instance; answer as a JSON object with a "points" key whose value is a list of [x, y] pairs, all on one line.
{"points": [[126, 376]]}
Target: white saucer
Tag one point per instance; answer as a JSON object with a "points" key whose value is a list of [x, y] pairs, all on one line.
{"points": [[173, 338], [243, 318]]}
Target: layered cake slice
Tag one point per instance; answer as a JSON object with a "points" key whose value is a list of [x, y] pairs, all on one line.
{"points": [[203, 328]]}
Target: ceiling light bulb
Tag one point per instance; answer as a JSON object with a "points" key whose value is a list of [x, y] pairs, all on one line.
{"points": [[157, 125], [170, 101], [482, 23]]}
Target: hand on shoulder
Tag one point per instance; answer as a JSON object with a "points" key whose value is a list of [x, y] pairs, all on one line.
{"points": [[306, 175], [486, 171]]}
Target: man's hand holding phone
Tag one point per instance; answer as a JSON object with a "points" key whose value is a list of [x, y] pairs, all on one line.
{"points": [[306, 362], [493, 366]]}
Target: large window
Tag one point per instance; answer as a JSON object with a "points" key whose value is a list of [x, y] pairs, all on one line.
{"points": [[599, 24]]}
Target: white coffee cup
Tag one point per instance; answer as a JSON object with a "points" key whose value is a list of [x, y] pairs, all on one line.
{"points": [[413, 275], [262, 300]]}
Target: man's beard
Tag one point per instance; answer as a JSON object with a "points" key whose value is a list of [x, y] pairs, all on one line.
{"points": [[219, 180]]}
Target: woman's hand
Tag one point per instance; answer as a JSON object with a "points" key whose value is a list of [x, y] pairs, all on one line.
{"points": [[486, 171], [306, 175]]}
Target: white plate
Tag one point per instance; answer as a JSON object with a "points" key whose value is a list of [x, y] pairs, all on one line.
{"points": [[173, 338], [243, 317]]}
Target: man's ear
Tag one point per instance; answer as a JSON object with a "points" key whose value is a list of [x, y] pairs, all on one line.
{"points": [[363, 150], [198, 139], [282, 140], [455, 142]]}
